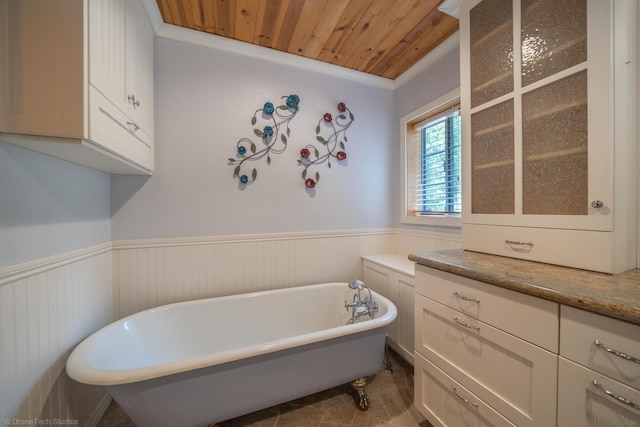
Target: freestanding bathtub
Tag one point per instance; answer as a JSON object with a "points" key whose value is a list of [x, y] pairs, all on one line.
{"points": [[199, 362]]}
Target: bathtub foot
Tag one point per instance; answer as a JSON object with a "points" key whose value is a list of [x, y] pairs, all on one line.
{"points": [[360, 397]]}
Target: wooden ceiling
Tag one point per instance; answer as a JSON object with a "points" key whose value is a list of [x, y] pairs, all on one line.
{"points": [[379, 37]]}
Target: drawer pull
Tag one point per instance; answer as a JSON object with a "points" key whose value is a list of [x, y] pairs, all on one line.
{"points": [[466, 325], [462, 297], [455, 391], [616, 352], [615, 396], [517, 243]]}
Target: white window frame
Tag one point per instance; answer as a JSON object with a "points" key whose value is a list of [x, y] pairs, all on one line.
{"points": [[449, 220]]}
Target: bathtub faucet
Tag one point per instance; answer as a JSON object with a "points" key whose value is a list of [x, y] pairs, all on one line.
{"points": [[360, 306]]}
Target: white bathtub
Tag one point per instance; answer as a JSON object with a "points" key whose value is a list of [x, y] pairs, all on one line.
{"points": [[205, 361]]}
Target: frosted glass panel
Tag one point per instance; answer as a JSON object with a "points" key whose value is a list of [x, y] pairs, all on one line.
{"points": [[491, 53], [492, 188], [554, 144], [554, 37]]}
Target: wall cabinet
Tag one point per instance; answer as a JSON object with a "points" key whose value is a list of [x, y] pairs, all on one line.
{"points": [[77, 81], [392, 276], [540, 82], [599, 360], [477, 357]]}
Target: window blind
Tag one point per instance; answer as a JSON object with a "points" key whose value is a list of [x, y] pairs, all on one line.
{"points": [[434, 181]]}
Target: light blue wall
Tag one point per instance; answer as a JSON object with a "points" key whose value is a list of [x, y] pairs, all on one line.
{"points": [[48, 206], [204, 100], [441, 77]]}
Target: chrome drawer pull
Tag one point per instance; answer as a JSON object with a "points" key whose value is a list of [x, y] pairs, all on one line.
{"points": [[616, 352], [615, 396], [460, 296], [515, 242], [466, 325], [455, 391]]}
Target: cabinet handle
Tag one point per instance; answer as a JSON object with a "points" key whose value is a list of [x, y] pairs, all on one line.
{"points": [[466, 325], [515, 242], [615, 396], [462, 297], [133, 126], [597, 204], [133, 100], [616, 352], [455, 391]]}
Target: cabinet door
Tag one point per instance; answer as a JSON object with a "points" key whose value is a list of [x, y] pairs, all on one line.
{"points": [[42, 68], [516, 378], [379, 279], [445, 402], [537, 115], [139, 66], [107, 50], [583, 403]]}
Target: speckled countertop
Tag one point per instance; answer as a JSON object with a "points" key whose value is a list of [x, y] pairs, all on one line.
{"points": [[616, 295]]}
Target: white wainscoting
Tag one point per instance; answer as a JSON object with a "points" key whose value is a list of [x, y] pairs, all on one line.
{"points": [[48, 306], [149, 273]]}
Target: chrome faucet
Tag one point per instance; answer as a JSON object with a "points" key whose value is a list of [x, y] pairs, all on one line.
{"points": [[360, 306]]}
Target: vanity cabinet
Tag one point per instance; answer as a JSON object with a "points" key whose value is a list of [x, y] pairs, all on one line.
{"points": [[484, 355], [540, 82], [76, 81], [599, 360], [392, 276]]}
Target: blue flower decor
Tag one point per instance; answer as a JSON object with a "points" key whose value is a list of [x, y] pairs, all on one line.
{"points": [[272, 138], [334, 144]]}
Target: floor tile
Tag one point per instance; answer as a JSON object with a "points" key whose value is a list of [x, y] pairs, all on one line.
{"points": [[390, 405]]}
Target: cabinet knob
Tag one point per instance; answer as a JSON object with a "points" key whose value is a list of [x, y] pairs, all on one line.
{"points": [[132, 99], [597, 204]]}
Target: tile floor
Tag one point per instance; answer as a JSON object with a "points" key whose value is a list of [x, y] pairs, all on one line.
{"points": [[390, 405]]}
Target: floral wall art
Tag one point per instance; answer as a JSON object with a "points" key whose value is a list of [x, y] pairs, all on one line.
{"points": [[331, 135], [273, 138]]}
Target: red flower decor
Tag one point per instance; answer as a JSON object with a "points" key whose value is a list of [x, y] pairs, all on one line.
{"points": [[327, 118], [305, 153], [341, 107], [341, 155], [309, 183]]}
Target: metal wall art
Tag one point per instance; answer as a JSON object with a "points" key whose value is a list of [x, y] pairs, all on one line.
{"points": [[272, 139], [333, 144]]}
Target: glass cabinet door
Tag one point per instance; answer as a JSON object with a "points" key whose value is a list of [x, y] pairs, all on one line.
{"points": [[491, 54]]}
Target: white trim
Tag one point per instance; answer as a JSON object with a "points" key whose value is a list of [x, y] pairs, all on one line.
{"points": [[31, 268], [239, 238], [212, 41], [445, 220]]}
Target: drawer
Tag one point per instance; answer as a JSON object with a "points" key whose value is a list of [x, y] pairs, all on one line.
{"points": [[581, 403], [579, 329], [530, 318], [444, 402], [515, 377], [113, 131]]}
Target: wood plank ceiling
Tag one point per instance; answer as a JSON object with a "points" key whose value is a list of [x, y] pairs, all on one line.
{"points": [[379, 37]]}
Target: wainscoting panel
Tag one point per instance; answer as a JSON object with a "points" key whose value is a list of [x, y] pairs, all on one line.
{"points": [[154, 272], [47, 307]]}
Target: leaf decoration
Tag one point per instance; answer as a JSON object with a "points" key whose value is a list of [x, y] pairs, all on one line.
{"points": [[332, 145], [275, 121]]}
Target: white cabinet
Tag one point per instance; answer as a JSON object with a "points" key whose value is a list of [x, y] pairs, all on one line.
{"points": [[540, 82], [477, 341], [76, 81], [392, 276], [599, 370]]}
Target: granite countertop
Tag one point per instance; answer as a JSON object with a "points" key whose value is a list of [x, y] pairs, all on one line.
{"points": [[617, 295]]}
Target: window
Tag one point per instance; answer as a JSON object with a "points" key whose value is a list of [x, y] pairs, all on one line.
{"points": [[431, 160]]}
